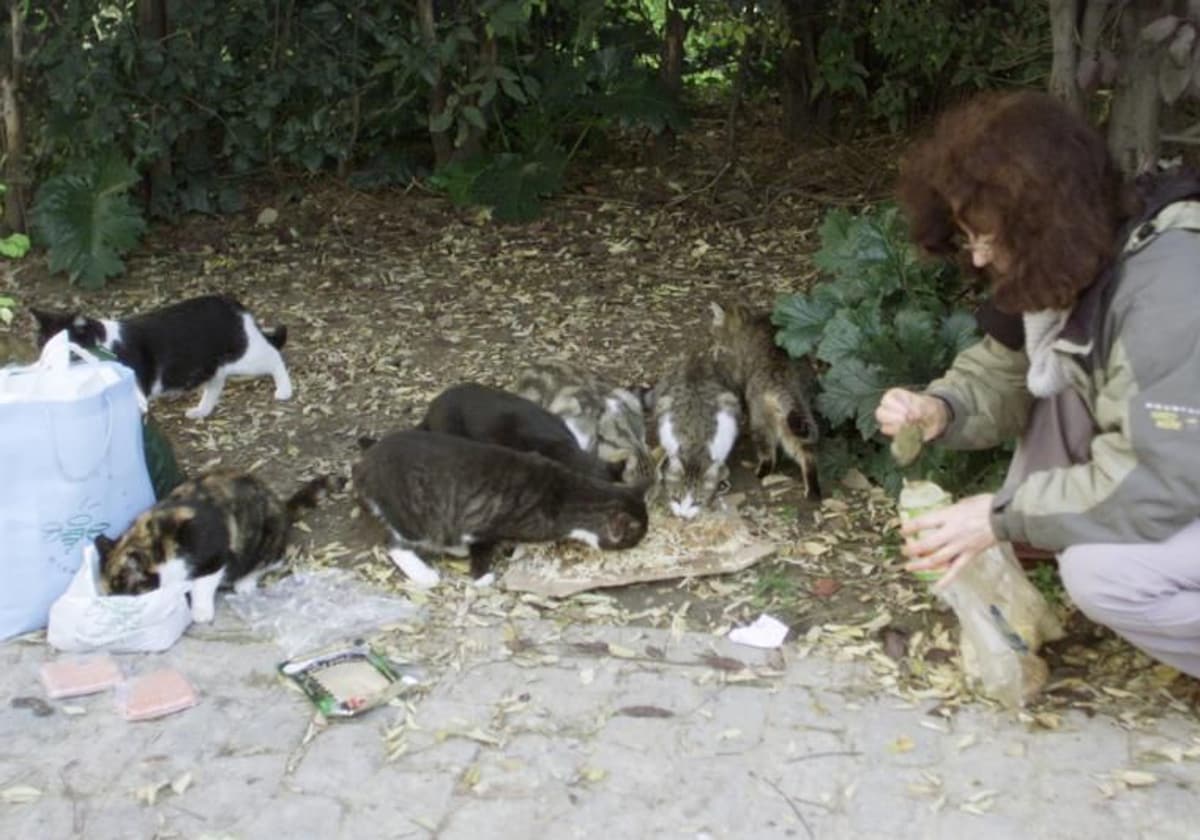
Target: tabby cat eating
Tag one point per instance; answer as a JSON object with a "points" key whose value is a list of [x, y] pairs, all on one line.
{"points": [[775, 388], [696, 411], [491, 415], [606, 420], [441, 493]]}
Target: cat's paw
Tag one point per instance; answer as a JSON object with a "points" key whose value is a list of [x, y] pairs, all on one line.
{"points": [[485, 580], [197, 412], [203, 613], [414, 567], [283, 392]]}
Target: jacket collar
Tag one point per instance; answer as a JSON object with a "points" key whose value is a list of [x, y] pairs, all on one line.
{"points": [[1155, 190]]}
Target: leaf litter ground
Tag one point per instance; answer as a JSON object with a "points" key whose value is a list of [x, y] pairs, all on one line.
{"points": [[392, 296]]}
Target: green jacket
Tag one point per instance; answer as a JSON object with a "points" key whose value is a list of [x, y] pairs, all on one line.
{"points": [[1132, 346]]}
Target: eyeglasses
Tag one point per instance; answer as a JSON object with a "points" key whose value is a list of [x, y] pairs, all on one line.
{"points": [[981, 245]]}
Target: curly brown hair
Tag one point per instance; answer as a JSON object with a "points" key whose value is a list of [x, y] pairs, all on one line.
{"points": [[1024, 168]]}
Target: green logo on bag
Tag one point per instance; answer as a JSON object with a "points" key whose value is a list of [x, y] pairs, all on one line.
{"points": [[79, 527]]}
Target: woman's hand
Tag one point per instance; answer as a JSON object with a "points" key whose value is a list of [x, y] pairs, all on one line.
{"points": [[949, 537], [899, 407]]}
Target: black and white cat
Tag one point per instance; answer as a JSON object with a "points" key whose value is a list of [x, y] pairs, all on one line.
{"points": [[199, 341], [491, 415], [452, 495]]}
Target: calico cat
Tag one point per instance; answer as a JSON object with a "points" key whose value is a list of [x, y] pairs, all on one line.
{"points": [[443, 493], [696, 412], [774, 386], [491, 415], [606, 420], [223, 527], [199, 341]]}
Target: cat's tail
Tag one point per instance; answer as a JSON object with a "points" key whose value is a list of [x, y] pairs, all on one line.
{"points": [[311, 493], [276, 336]]}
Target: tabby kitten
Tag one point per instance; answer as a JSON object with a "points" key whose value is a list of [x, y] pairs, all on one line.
{"points": [[200, 341], [225, 527], [775, 388], [606, 420], [490, 415], [696, 411], [441, 493]]}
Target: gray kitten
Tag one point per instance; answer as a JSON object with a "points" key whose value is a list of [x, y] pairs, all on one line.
{"points": [[696, 411], [605, 419], [775, 388]]}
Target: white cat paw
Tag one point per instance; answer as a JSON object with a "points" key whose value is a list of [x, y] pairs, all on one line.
{"points": [[197, 412], [414, 568], [284, 393], [485, 580], [246, 585], [203, 614]]}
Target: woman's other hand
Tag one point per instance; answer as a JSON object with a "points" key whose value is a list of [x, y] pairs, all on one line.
{"points": [[947, 538]]}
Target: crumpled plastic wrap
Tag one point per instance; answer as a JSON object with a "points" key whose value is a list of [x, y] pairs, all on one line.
{"points": [[313, 608]]}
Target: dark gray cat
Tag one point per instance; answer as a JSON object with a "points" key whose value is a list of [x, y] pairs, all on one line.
{"points": [[490, 415], [450, 494]]}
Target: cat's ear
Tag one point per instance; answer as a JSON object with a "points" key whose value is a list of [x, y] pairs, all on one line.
{"points": [[50, 323], [642, 486], [645, 395], [620, 526], [104, 547], [718, 313], [615, 470]]}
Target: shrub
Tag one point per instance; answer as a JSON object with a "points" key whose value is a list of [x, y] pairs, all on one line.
{"points": [[86, 220], [882, 318]]}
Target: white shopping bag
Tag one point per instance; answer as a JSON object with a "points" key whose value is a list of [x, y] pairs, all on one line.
{"points": [[72, 466], [82, 619]]}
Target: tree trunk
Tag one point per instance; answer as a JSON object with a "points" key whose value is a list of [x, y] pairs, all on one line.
{"points": [[1133, 122], [157, 181], [1064, 35], [443, 146], [152, 19], [739, 83], [802, 116], [16, 197], [670, 68]]}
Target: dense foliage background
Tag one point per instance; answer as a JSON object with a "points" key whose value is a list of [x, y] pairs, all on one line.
{"points": [[495, 96], [118, 113]]}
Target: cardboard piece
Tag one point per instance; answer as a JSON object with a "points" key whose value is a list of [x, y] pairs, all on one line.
{"points": [[714, 543]]}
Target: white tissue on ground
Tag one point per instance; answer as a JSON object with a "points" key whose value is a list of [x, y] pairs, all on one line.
{"points": [[766, 632]]}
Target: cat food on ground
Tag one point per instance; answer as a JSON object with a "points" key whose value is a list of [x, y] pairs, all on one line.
{"points": [[77, 677], [715, 542], [156, 694]]}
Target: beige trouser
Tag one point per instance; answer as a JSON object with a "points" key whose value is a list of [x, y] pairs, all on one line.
{"points": [[1147, 592]]}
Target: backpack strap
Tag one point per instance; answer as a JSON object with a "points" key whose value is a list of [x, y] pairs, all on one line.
{"points": [[1179, 215]]}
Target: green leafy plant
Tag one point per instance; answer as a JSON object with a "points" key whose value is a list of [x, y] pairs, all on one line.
{"points": [[882, 318], [1045, 577], [87, 220]]}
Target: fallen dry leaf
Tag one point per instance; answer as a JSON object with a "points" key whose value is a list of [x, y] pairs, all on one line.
{"points": [[1137, 778], [825, 587], [645, 712], [20, 794], [723, 663]]}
